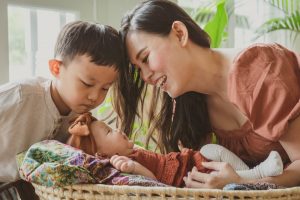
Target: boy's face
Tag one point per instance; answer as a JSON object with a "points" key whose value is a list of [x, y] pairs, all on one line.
{"points": [[110, 142], [83, 85]]}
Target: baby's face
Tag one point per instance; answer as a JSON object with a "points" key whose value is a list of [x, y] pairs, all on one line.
{"points": [[110, 142]]}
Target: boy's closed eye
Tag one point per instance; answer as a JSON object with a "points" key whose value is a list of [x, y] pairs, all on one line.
{"points": [[86, 84]]}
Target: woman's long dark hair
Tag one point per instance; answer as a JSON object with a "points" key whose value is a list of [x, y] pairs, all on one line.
{"points": [[191, 123]]}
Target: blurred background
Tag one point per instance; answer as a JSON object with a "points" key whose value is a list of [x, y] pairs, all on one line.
{"points": [[29, 29]]}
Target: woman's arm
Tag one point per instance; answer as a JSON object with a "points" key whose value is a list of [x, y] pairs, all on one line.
{"points": [[125, 164], [226, 174], [291, 143]]}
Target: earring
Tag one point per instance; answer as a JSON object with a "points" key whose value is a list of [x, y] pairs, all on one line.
{"points": [[174, 109]]}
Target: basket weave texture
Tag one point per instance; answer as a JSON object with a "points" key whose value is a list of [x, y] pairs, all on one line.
{"points": [[100, 191]]}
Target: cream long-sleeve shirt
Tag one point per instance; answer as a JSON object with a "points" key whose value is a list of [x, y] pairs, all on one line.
{"points": [[27, 115]]}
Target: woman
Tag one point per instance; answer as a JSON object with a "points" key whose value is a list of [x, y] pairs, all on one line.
{"points": [[248, 99]]}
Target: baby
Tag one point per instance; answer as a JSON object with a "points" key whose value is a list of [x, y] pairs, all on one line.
{"points": [[97, 138]]}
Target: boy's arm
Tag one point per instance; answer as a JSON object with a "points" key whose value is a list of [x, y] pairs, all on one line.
{"points": [[125, 164]]}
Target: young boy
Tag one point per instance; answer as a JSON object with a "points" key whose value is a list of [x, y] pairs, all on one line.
{"points": [[87, 57]]}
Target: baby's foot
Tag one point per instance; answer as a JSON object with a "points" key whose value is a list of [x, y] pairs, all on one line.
{"points": [[272, 166]]}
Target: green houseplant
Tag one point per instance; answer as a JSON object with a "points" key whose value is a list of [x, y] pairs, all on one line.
{"points": [[214, 15], [290, 21], [217, 25], [214, 22]]}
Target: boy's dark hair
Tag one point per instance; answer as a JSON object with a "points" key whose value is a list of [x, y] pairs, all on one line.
{"points": [[100, 42]]}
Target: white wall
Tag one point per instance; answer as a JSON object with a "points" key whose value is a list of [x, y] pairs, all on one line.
{"points": [[111, 11], [3, 43]]}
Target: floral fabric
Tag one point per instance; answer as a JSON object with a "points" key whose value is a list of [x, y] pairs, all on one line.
{"points": [[131, 179], [51, 163], [252, 186]]}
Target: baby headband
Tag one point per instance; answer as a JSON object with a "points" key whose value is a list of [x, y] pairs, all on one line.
{"points": [[81, 135]]}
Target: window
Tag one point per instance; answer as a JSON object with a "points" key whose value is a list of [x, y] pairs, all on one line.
{"points": [[32, 35]]}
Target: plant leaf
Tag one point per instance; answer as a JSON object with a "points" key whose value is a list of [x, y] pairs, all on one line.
{"points": [[287, 6], [291, 23], [216, 26]]}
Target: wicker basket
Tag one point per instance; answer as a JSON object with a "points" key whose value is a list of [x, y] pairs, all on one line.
{"points": [[99, 191]]}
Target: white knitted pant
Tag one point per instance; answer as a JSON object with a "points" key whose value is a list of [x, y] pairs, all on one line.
{"points": [[272, 166]]}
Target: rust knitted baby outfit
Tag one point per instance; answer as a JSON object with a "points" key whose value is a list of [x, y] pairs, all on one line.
{"points": [[172, 167]]}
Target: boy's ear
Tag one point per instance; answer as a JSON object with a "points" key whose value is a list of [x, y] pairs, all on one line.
{"points": [[54, 67], [181, 32]]}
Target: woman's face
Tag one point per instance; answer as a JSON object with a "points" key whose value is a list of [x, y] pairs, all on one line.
{"points": [[161, 60]]}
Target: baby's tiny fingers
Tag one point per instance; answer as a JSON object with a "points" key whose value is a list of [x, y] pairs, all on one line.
{"points": [[119, 158], [113, 158], [124, 167], [128, 166]]}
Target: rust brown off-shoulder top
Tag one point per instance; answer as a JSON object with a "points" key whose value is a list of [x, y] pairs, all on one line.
{"points": [[265, 84]]}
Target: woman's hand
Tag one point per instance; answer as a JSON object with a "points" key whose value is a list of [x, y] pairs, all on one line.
{"points": [[123, 163], [223, 174]]}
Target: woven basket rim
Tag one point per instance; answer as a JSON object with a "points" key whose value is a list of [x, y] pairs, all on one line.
{"points": [[169, 190]]}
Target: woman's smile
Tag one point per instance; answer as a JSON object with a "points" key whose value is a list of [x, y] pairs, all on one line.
{"points": [[161, 82]]}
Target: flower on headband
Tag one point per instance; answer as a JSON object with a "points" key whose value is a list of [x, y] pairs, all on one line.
{"points": [[81, 136]]}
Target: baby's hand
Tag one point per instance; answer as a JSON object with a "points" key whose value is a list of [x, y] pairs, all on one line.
{"points": [[123, 163]]}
